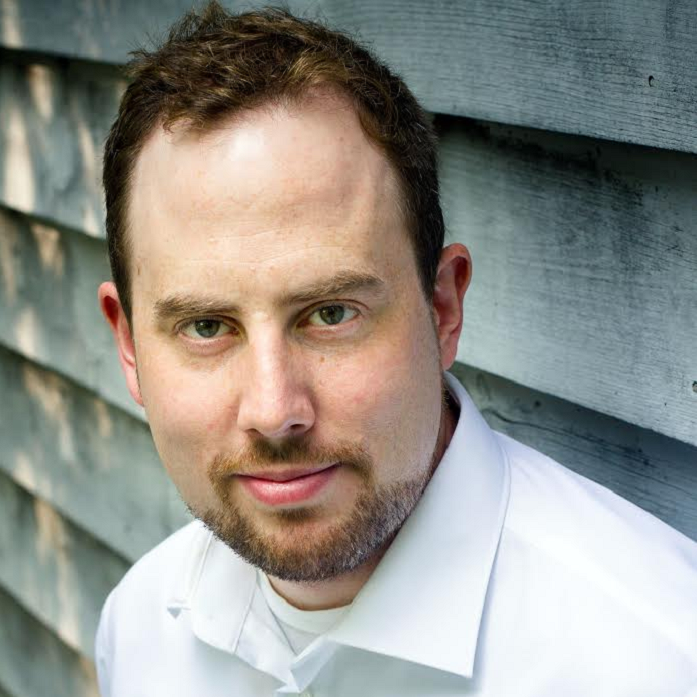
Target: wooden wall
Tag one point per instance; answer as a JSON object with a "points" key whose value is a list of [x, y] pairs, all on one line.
{"points": [[569, 167]]}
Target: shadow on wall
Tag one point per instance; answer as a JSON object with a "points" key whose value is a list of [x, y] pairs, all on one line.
{"points": [[10, 34], [35, 662], [58, 570], [94, 463], [96, 30], [53, 122], [82, 494], [653, 471], [82, 491], [48, 303]]}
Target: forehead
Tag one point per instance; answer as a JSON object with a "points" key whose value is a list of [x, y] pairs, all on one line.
{"points": [[269, 182]]}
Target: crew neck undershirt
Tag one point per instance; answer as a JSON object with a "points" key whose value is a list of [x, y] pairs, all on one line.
{"points": [[300, 627]]}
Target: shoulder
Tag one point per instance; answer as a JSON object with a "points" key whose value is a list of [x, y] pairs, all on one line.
{"points": [[155, 581], [610, 546], [138, 606], [160, 572], [544, 491]]}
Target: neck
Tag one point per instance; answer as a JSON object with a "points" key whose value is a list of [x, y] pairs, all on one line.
{"points": [[340, 591]]}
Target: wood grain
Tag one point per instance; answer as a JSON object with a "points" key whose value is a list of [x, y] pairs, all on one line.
{"points": [[584, 290], [35, 663], [57, 571], [656, 473], [54, 118], [93, 463], [585, 268], [48, 304], [601, 68]]}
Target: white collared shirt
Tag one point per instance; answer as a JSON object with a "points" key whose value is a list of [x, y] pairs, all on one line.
{"points": [[512, 577], [300, 627]]}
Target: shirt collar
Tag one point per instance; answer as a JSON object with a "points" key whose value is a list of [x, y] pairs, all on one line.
{"points": [[430, 587], [424, 601]]}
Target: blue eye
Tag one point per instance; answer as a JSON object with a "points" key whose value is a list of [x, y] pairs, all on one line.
{"points": [[331, 315], [205, 329]]}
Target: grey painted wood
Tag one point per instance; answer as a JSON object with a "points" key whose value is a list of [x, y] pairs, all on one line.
{"points": [[655, 472], [53, 122], [35, 663], [59, 572], [95, 464], [585, 255], [602, 67], [49, 308], [585, 268]]}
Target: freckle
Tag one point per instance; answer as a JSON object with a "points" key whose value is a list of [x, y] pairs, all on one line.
{"points": [[321, 359]]}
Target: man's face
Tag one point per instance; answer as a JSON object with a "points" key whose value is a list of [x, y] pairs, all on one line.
{"points": [[280, 328]]}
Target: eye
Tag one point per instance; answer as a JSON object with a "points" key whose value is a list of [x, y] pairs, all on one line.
{"points": [[330, 315], [205, 329]]}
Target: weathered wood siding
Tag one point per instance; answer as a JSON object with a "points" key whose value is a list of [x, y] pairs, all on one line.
{"points": [[585, 268], [569, 167], [34, 662], [606, 68], [50, 557]]}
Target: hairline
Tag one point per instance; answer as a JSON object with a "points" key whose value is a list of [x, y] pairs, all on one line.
{"points": [[230, 119]]}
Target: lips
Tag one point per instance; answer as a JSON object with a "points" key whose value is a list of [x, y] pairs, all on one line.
{"points": [[288, 487], [287, 475]]}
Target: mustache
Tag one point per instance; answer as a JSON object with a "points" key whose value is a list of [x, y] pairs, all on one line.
{"points": [[261, 454]]}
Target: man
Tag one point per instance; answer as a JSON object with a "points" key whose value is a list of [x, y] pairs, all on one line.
{"points": [[284, 310]]}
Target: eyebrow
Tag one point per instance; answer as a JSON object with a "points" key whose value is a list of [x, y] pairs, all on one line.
{"points": [[344, 282]]}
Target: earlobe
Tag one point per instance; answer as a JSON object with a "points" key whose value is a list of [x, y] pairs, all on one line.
{"points": [[116, 317], [452, 280]]}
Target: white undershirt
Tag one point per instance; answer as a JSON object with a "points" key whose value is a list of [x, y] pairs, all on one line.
{"points": [[300, 627]]}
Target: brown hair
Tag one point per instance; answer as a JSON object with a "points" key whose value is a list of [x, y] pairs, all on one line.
{"points": [[214, 64]]}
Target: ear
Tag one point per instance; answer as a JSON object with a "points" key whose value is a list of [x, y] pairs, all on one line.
{"points": [[452, 280], [116, 317]]}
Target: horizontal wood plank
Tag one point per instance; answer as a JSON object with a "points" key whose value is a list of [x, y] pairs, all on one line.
{"points": [[95, 464], [54, 118], [585, 268], [35, 663], [48, 304], [597, 68], [655, 472], [59, 572]]}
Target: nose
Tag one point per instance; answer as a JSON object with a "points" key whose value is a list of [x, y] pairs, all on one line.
{"points": [[276, 401]]}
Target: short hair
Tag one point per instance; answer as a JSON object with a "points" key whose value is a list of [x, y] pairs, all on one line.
{"points": [[214, 64]]}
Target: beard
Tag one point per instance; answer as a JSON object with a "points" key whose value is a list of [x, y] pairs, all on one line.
{"points": [[301, 545]]}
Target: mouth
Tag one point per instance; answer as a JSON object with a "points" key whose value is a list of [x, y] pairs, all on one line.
{"points": [[287, 475], [288, 486]]}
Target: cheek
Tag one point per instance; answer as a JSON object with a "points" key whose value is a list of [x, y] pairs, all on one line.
{"points": [[361, 380], [185, 409], [185, 431], [184, 412], [388, 394]]}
